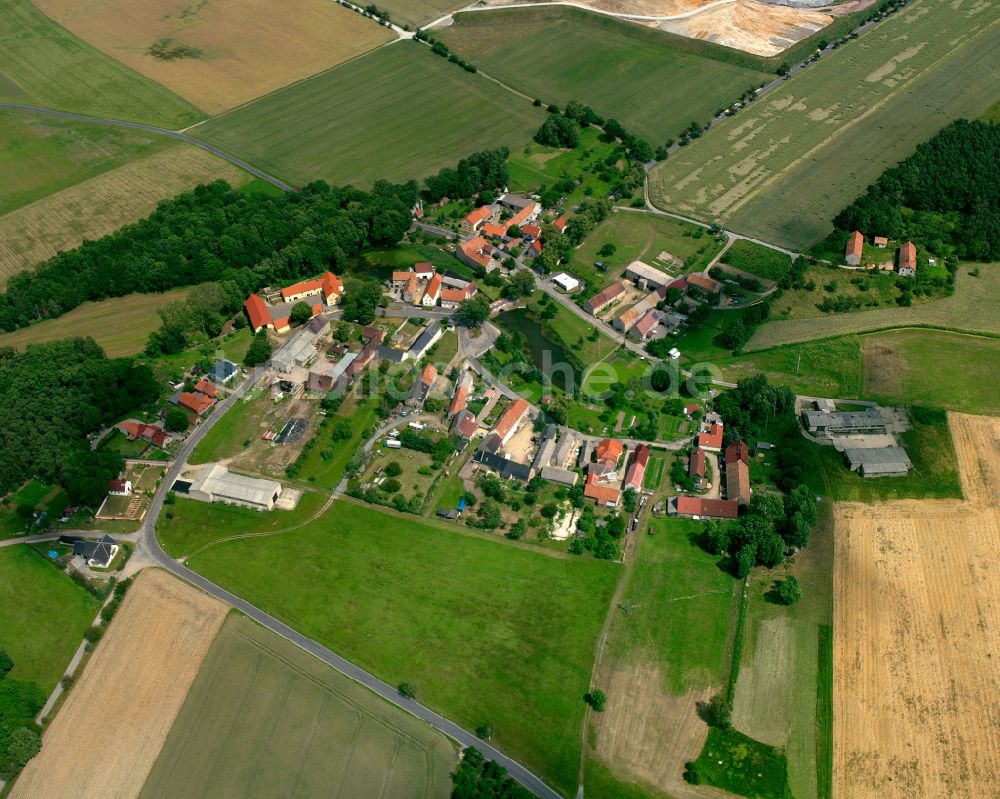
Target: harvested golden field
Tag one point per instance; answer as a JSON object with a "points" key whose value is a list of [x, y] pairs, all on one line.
{"points": [[109, 733], [120, 325], [104, 203], [917, 636], [210, 51]]}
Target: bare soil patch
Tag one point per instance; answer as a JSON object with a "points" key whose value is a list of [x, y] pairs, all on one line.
{"points": [[102, 204], [883, 369], [228, 52], [649, 734], [917, 637], [109, 733]]}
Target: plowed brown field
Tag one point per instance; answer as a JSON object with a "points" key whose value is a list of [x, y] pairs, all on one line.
{"points": [[107, 736], [917, 636]]}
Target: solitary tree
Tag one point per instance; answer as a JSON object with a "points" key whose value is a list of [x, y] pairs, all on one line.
{"points": [[176, 421], [259, 350], [596, 699], [393, 469], [472, 313], [409, 690], [789, 592], [717, 712], [6, 664], [301, 313], [484, 731]]}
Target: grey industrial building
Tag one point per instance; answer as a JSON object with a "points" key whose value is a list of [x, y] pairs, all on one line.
{"points": [[215, 483], [834, 423], [882, 462]]}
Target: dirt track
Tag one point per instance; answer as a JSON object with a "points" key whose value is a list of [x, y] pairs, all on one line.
{"points": [[107, 736], [917, 647]]}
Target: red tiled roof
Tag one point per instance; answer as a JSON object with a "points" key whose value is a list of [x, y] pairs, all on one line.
{"points": [[606, 295], [400, 277], [855, 244], [473, 250], [880, 241], [524, 214], [477, 215], [117, 486], [465, 423], [738, 481], [332, 285], [699, 506], [609, 451], [692, 408], [207, 388], [536, 245], [702, 282], [647, 323], [198, 403], [428, 375], [491, 229], [908, 256], [737, 451], [434, 287], [713, 438], [257, 311], [511, 417], [454, 295], [531, 230], [696, 463], [423, 267], [560, 224], [328, 284], [602, 494], [282, 323], [637, 468], [458, 400]]}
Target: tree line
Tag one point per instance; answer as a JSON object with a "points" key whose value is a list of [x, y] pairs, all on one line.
{"points": [[20, 702], [945, 196]]}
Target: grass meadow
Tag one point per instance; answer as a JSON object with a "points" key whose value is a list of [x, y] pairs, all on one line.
{"points": [[932, 367], [96, 206], [485, 630], [188, 525], [643, 237], [120, 325], [418, 12], [41, 63], [323, 734], [300, 38], [45, 615], [395, 114], [974, 307], [829, 368], [757, 260], [655, 85], [777, 169]]}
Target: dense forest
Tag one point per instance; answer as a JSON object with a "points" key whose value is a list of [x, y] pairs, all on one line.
{"points": [[946, 196], [213, 234], [52, 396]]}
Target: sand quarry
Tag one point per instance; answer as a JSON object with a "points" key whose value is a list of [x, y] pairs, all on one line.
{"points": [[754, 26], [917, 636], [128, 696]]}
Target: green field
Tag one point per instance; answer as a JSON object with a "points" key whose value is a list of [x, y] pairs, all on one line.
{"points": [[534, 166], [42, 63], [119, 325], [44, 618], [757, 260], [641, 236], [398, 113], [829, 368], [973, 308], [418, 12], [40, 155], [188, 525], [486, 631], [653, 83], [929, 367], [782, 169], [781, 694], [264, 719]]}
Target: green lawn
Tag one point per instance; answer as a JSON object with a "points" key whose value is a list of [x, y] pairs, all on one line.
{"points": [[738, 764], [484, 630], [932, 367], [187, 525], [398, 113], [40, 155], [757, 259], [45, 615], [658, 465], [535, 166], [328, 473], [654, 83], [776, 170], [830, 368], [42, 63], [641, 236], [324, 735]]}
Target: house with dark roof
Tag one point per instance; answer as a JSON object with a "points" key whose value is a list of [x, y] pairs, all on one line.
{"points": [[97, 553], [119, 488]]}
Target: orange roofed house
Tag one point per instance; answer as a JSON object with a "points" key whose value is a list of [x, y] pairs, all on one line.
{"points": [[711, 439], [477, 252], [473, 220], [907, 260], [703, 508], [328, 286], [506, 425], [636, 471], [855, 246]]}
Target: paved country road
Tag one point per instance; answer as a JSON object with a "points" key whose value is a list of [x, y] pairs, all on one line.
{"points": [[151, 553], [174, 134]]}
